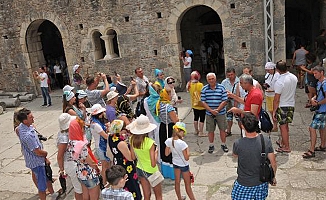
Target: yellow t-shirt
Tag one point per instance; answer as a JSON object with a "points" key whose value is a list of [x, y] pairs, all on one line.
{"points": [[194, 91], [143, 155]]}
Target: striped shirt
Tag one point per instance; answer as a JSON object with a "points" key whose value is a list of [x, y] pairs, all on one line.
{"points": [[213, 98], [29, 142], [164, 116]]}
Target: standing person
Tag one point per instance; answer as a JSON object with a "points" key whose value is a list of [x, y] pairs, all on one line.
{"points": [[159, 78], [34, 155], [141, 83], [58, 74], [77, 78], [203, 55], [87, 170], [230, 85], [298, 60], [43, 77], [112, 98], [187, 60], [249, 71], [270, 78], [319, 119], [248, 152], [283, 104], [311, 80], [320, 45], [93, 94], [144, 149], [180, 157], [65, 161], [122, 156], [194, 87], [214, 99]]}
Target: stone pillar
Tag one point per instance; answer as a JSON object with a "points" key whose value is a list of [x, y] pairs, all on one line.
{"points": [[108, 39]]}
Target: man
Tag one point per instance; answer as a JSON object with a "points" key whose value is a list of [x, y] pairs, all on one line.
{"points": [[248, 152], [252, 101], [94, 95], [249, 71], [43, 77], [32, 149], [319, 119], [283, 104], [320, 45], [214, 99], [230, 85], [141, 82]]}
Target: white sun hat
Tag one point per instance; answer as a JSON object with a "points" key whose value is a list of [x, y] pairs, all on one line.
{"points": [[67, 88], [97, 109], [141, 126], [64, 121]]}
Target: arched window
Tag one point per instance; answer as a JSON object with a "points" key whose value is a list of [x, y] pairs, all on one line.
{"points": [[99, 46]]}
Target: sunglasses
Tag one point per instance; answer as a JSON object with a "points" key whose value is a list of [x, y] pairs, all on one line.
{"points": [[171, 82]]}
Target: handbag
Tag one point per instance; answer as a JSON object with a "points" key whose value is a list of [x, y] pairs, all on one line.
{"points": [[266, 170]]}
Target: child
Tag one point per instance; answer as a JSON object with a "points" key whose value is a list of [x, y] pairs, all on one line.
{"points": [[117, 177], [180, 157]]}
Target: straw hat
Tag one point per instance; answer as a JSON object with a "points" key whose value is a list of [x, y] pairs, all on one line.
{"points": [[141, 126], [111, 95], [64, 121], [97, 109]]}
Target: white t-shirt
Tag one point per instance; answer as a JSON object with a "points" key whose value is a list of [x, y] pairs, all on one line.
{"points": [[285, 86], [270, 79], [96, 129], [177, 154], [57, 69], [44, 82], [189, 60]]}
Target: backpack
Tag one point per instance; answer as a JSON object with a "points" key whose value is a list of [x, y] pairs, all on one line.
{"points": [[266, 124], [140, 108]]}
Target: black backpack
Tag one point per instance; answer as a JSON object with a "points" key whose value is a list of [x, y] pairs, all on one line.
{"points": [[266, 124], [140, 108]]}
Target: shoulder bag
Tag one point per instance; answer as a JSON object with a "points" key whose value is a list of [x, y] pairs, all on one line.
{"points": [[266, 170]]}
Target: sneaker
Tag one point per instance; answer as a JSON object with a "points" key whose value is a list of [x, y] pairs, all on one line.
{"points": [[49, 105], [211, 149], [224, 148], [43, 105]]}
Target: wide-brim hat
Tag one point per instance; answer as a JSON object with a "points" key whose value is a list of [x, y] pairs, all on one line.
{"points": [[97, 109], [64, 121], [81, 94], [67, 88], [69, 95], [270, 65], [111, 95], [75, 67], [141, 126]]}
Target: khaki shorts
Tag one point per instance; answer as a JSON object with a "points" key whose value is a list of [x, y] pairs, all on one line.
{"points": [[211, 122], [269, 103]]}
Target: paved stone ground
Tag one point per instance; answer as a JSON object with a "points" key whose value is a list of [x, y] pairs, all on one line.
{"points": [[214, 173]]}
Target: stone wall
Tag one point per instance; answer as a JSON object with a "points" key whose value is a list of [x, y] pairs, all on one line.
{"points": [[137, 38]]}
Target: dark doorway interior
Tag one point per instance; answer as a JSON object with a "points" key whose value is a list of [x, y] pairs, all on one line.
{"points": [[201, 32], [53, 51], [302, 24]]}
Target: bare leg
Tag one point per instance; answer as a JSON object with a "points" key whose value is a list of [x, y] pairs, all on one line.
{"points": [[50, 187], [105, 165], [94, 193], [322, 137], [201, 127], [285, 136], [146, 188], [229, 126], [222, 136], [196, 127], [313, 138], [158, 192], [78, 196], [186, 179], [42, 195], [85, 192], [177, 181], [211, 137]]}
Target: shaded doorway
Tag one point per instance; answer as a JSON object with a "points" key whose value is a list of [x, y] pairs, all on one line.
{"points": [[302, 24], [201, 31], [45, 48]]}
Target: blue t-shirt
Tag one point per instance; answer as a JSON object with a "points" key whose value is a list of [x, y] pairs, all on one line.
{"points": [[320, 95], [213, 98]]}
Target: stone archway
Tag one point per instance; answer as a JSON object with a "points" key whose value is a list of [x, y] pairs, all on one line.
{"points": [[176, 17], [31, 43]]}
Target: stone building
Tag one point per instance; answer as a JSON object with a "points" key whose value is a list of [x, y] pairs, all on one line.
{"points": [[120, 35]]}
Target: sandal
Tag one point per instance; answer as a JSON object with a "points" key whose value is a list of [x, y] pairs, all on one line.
{"points": [[278, 143], [201, 134], [228, 134], [281, 150], [320, 148], [308, 154]]}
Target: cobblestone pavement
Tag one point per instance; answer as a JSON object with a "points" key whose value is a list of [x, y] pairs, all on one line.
{"points": [[214, 173]]}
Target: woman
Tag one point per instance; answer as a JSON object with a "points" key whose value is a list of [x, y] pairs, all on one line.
{"points": [[58, 74], [159, 78], [298, 60], [98, 130], [68, 106], [311, 80], [143, 148], [123, 110], [112, 98], [77, 78], [194, 87], [87, 169], [168, 118], [122, 156], [270, 78], [170, 93], [187, 65], [65, 161]]}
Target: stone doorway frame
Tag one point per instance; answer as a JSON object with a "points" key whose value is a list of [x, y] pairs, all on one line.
{"points": [[175, 18], [29, 29]]}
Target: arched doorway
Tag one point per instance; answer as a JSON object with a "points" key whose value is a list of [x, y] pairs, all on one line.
{"points": [[45, 48], [201, 31]]}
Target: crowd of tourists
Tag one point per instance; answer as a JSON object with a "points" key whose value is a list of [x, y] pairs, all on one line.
{"points": [[111, 150]]}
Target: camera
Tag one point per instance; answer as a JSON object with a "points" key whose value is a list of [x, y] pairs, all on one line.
{"points": [[265, 86], [314, 108], [42, 138]]}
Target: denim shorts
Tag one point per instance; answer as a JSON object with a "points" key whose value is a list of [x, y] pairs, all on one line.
{"points": [[40, 178], [183, 169], [142, 173], [101, 155], [90, 183]]}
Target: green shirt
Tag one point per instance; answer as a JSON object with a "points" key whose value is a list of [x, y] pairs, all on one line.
{"points": [[143, 156]]}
